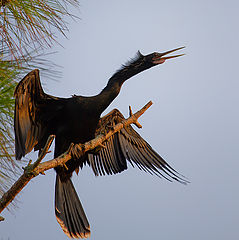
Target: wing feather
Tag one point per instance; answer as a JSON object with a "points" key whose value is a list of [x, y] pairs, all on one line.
{"points": [[101, 163], [92, 163], [114, 160], [30, 103], [107, 157], [128, 145]]}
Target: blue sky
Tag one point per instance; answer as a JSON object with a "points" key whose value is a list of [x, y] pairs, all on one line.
{"points": [[193, 122]]}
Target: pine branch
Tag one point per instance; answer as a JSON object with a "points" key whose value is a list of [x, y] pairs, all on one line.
{"points": [[31, 24], [10, 73], [32, 170]]}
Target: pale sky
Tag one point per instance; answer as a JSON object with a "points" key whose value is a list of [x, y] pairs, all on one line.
{"points": [[193, 122]]}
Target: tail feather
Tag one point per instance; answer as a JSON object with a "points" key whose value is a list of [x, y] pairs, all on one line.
{"points": [[69, 211]]}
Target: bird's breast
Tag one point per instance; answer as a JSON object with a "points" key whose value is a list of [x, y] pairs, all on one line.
{"points": [[77, 124]]}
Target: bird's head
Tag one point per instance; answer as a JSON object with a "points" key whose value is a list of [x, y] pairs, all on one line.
{"points": [[159, 58]]}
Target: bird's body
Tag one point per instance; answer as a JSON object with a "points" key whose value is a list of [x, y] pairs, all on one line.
{"points": [[76, 123], [77, 120]]}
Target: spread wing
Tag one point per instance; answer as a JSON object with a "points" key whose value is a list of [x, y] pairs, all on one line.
{"points": [[127, 144], [32, 112]]}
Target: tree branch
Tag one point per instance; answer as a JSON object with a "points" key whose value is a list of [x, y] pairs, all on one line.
{"points": [[29, 173], [32, 170]]}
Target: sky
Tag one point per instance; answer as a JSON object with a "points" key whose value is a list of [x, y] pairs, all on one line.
{"points": [[193, 122]]}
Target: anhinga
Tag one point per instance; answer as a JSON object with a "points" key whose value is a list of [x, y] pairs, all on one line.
{"points": [[77, 120]]}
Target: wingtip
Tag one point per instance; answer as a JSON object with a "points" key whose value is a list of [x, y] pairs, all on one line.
{"points": [[34, 72]]}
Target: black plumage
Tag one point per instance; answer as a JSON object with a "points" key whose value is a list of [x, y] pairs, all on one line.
{"points": [[77, 120]]}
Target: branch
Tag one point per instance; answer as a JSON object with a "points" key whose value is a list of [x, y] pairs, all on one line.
{"points": [[32, 170], [29, 173], [27, 25]]}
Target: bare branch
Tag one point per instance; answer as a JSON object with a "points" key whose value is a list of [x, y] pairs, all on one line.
{"points": [[29, 173], [32, 170], [137, 124]]}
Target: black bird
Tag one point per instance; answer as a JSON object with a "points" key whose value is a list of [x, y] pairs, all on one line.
{"points": [[77, 120]]}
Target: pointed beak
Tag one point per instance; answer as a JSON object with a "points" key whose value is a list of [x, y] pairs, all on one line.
{"points": [[161, 59]]}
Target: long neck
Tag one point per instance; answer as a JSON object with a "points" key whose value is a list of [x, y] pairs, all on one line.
{"points": [[112, 89]]}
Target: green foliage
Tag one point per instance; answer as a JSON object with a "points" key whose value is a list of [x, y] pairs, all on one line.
{"points": [[32, 22], [26, 28], [8, 73]]}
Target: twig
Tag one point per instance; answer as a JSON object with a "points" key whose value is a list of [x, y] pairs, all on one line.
{"points": [[137, 124], [32, 170]]}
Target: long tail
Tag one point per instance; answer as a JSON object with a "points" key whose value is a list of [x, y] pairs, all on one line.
{"points": [[69, 211]]}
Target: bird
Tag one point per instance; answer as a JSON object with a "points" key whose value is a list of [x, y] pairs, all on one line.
{"points": [[76, 120]]}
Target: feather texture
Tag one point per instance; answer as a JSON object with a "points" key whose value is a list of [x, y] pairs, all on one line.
{"points": [[128, 145], [32, 108]]}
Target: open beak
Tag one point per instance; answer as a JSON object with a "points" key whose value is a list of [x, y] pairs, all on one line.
{"points": [[160, 59]]}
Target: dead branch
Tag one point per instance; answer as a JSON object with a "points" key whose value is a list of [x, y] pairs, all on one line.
{"points": [[29, 173], [32, 170]]}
